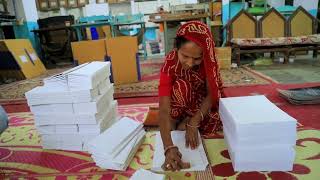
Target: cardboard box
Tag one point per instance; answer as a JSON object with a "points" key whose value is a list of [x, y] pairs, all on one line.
{"points": [[22, 58], [88, 51], [224, 57], [122, 51]]}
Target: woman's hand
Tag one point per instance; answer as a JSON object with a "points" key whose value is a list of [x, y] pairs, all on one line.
{"points": [[173, 161], [192, 137]]}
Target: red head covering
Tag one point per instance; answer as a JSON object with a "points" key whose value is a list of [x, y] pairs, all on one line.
{"points": [[199, 33]]}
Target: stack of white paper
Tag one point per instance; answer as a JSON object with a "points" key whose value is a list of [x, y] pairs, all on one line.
{"points": [[259, 135], [115, 147], [74, 106], [197, 158], [142, 174]]}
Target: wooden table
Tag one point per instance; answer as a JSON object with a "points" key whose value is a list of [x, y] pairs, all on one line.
{"points": [[79, 26], [165, 18]]}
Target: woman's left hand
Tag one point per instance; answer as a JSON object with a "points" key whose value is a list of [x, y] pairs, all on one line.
{"points": [[192, 138]]}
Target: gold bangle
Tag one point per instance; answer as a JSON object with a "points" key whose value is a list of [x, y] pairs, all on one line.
{"points": [[193, 126], [168, 148], [202, 116]]}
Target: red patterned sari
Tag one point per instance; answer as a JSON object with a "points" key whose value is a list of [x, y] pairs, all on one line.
{"points": [[188, 88]]}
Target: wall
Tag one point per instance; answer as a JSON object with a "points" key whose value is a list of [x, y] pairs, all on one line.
{"points": [[27, 16], [126, 8], [310, 5], [121, 8], [76, 12]]}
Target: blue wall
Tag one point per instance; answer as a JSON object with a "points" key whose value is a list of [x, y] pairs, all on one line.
{"points": [[24, 32]]}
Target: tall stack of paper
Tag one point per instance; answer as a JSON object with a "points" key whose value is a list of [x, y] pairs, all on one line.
{"points": [[197, 158], [115, 147], [259, 135], [74, 106]]}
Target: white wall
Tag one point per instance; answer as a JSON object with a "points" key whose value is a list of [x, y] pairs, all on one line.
{"points": [[276, 3], [30, 10], [19, 9], [307, 4], [120, 8], [96, 9], [10, 7]]}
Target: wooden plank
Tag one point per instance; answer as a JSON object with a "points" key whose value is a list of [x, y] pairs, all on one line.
{"points": [[124, 65]]}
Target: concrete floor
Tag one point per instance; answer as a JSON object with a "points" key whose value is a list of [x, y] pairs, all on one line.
{"points": [[304, 69]]}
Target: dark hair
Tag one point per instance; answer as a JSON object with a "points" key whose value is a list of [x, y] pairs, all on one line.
{"points": [[179, 41]]}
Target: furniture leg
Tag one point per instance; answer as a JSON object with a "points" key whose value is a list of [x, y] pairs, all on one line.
{"points": [[144, 43], [166, 41], [315, 53], [286, 56], [79, 34], [237, 53], [272, 55]]}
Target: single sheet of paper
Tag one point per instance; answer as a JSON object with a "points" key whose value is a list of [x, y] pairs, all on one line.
{"points": [[197, 158], [145, 174], [23, 59], [34, 56]]}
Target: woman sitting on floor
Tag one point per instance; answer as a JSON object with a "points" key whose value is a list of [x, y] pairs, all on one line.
{"points": [[189, 91]]}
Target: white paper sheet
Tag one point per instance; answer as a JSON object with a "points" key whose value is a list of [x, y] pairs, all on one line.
{"points": [[85, 76], [197, 158], [101, 104], [23, 59], [266, 153], [255, 116], [257, 140], [118, 136], [145, 174], [123, 159], [58, 129], [52, 108], [34, 56]]}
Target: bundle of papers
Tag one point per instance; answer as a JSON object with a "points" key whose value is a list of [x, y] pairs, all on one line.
{"points": [[115, 147], [302, 96], [259, 135], [142, 174], [85, 76], [197, 158], [77, 104]]}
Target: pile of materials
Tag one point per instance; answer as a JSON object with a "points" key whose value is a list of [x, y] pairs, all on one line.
{"points": [[74, 107], [259, 135]]}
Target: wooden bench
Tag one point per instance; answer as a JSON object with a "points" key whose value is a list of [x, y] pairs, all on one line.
{"points": [[273, 33]]}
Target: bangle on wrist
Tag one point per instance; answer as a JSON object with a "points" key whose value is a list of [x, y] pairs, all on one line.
{"points": [[201, 113], [192, 126]]}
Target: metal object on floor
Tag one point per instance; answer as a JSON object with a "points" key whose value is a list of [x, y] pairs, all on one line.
{"points": [[302, 96], [3, 120]]}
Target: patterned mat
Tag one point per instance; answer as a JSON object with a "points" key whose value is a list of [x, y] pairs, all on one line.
{"points": [[21, 156], [306, 165], [147, 87], [232, 77]]}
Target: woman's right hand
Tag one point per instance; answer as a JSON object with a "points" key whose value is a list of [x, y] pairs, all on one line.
{"points": [[173, 161]]}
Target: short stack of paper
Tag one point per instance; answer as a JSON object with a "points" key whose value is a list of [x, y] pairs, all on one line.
{"points": [[197, 158], [259, 135], [74, 106], [115, 148]]}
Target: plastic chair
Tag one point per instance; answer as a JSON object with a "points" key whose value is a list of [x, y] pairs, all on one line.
{"points": [[259, 7]]}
